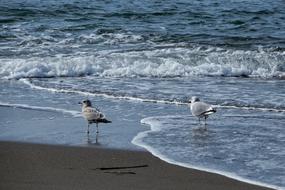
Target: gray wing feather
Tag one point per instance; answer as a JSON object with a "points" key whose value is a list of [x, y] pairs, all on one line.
{"points": [[199, 108]]}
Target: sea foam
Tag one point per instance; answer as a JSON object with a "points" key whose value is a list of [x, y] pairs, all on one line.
{"points": [[161, 62], [141, 99]]}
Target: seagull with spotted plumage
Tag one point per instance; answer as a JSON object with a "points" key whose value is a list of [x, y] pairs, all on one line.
{"points": [[92, 115]]}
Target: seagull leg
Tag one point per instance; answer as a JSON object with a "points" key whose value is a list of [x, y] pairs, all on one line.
{"points": [[96, 138], [205, 123], [199, 121], [88, 128], [97, 128]]}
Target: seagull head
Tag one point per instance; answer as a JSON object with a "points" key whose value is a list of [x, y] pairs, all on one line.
{"points": [[86, 103], [194, 99]]}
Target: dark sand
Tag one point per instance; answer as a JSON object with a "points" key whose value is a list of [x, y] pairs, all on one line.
{"points": [[31, 166]]}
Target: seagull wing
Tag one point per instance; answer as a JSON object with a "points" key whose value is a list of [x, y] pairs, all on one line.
{"points": [[201, 109], [92, 114]]}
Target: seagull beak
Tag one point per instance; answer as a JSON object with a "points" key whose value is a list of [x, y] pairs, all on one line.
{"points": [[80, 103]]}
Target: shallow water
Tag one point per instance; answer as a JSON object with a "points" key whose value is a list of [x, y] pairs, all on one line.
{"points": [[141, 61], [244, 138], [240, 144]]}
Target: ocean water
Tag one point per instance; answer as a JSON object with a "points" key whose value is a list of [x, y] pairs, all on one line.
{"points": [[140, 62]]}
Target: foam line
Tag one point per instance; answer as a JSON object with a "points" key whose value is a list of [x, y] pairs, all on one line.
{"points": [[250, 108], [130, 98], [137, 140], [158, 62], [27, 82], [25, 106]]}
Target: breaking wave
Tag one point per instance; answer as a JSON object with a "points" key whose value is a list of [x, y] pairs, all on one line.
{"points": [[161, 62]]}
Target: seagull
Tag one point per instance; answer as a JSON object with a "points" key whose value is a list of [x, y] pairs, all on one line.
{"points": [[200, 109], [92, 114]]}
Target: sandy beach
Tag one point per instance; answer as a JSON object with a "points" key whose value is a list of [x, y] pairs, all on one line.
{"points": [[34, 166]]}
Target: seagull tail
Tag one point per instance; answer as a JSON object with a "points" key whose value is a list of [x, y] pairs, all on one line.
{"points": [[104, 120], [212, 110]]}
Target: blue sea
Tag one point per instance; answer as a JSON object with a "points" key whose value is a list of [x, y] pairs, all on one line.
{"points": [[140, 62]]}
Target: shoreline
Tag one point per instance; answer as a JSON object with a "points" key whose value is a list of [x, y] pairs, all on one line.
{"points": [[38, 166], [137, 140], [217, 172]]}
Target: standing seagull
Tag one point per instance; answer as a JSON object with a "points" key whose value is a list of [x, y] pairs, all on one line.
{"points": [[92, 115], [200, 109]]}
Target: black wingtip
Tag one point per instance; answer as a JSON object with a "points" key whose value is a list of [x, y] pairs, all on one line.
{"points": [[104, 121], [107, 121]]}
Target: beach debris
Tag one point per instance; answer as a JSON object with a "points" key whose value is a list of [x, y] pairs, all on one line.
{"points": [[120, 172], [123, 167]]}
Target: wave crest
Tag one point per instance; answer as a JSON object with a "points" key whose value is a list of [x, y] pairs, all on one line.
{"points": [[161, 62]]}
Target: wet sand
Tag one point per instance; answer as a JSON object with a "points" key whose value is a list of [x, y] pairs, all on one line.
{"points": [[35, 167]]}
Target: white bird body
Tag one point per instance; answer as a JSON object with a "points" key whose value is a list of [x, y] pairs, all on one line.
{"points": [[92, 115], [200, 109]]}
